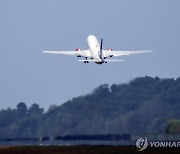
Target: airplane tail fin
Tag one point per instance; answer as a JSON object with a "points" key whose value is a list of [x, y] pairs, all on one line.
{"points": [[101, 54]]}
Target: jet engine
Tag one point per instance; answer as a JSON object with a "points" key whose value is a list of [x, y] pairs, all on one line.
{"points": [[109, 49], [77, 49]]}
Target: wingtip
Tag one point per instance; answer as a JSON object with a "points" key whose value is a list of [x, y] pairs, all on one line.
{"points": [[149, 51]]}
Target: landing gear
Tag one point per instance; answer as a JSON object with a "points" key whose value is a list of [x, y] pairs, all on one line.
{"points": [[86, 61]]}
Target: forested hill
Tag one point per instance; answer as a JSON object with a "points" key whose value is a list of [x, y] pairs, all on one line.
{"points": [[145, 105]]}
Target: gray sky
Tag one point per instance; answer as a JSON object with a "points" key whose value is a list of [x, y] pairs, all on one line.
{"points": [[27, 27]]}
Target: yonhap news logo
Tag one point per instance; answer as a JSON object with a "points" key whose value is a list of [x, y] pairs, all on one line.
{"points": [[142, 144]]}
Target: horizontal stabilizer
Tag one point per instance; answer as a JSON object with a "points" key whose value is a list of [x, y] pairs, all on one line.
{"points": [[114, 60], [90, 60], [107, 60]]}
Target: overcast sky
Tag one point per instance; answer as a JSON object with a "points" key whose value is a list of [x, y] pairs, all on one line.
{"points": [[27, 27]]}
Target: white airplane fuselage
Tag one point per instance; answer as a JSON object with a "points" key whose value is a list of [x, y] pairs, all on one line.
{"points": [[94, 48]]}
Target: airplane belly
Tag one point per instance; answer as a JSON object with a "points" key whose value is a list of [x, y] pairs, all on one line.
{"points": [[94, 48], [95, 55]]}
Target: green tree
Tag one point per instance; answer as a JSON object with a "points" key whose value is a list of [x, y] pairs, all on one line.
{"points": [[35, 109], [22, 109]]}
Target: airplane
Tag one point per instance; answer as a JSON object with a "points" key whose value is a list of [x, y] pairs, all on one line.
{"points": [[95, 53]]}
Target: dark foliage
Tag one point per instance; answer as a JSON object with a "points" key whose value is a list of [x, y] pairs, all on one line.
{"points": [[145, 105]]}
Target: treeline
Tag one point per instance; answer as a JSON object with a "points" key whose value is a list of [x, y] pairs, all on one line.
{"points": [[21, 122], [145, 105]]}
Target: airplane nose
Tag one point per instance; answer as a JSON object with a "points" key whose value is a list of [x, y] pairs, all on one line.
{"points": [[91, 37]]}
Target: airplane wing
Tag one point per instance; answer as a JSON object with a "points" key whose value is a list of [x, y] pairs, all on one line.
{"points": [[83, 53], [109, 53]]}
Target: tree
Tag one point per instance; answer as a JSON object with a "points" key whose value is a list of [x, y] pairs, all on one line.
{"points": [[143, 106], [35, 109], [173, 127], [22, 109]]}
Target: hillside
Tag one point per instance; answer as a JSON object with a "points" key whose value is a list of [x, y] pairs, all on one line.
{"points": [[145, 105]]}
